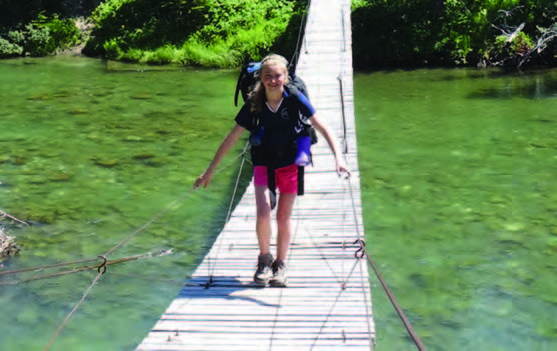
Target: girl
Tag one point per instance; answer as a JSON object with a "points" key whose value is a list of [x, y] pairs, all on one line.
{"points": [[274, 114]]}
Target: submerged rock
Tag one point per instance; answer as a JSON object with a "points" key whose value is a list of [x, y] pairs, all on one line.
{"points": [[8, 245]]}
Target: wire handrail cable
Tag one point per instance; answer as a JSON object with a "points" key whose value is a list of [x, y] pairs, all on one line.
{"points": [[209, 268], [413, 335], [123, 242]]}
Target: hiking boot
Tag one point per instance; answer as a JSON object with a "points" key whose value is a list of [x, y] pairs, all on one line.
{"points": [[279, 274], [263, 272]]}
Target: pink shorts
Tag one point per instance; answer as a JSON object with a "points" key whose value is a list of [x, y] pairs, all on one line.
{"points": [[286, 178]]}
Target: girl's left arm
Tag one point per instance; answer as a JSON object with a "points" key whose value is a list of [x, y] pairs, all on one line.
{"points": [[324, 130]]}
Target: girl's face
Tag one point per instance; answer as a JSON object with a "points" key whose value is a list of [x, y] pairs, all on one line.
{"points": [[272, 76]]}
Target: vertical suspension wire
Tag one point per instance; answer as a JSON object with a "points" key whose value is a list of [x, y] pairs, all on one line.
{"points": [[347, 183], [413, 335], [211, 269]]}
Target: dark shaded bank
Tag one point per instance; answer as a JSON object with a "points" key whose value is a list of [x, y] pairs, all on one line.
{"points": [[434, 33], [513, 34], [42, 27], [18, 12]]}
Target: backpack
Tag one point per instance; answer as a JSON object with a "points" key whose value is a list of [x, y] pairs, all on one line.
{"points": [[246, 83], [249, 76]]}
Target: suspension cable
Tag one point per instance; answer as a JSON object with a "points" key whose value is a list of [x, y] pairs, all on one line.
{"points": [[210, 268], [123, 242], [59, 330], [80, 269], [162, 213], [296, 54], [408, 326]]}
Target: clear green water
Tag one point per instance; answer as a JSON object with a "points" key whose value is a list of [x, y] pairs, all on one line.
{"points": [[457, 185], [460, 205], [91, 152]]}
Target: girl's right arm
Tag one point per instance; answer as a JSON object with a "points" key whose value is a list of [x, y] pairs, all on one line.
{"points": [[231, 139]]}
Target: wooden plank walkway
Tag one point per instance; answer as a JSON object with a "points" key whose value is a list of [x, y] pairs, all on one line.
{"points": [[327, 304]]}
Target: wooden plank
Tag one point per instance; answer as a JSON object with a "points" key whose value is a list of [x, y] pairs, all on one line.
{"points": [[327, 305]]}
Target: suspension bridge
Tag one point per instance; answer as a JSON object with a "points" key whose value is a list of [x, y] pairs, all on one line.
{"points": [[327, 304]]}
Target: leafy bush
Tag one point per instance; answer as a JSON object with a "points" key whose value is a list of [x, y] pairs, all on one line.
{"points": [[219, 33], [8, 49], [387, 33], [64, 33], [520, 43], [43, 36], [441, 32], [38, 41]]}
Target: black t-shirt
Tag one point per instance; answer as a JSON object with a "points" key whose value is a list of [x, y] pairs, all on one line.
{"points": [[280, 129]]}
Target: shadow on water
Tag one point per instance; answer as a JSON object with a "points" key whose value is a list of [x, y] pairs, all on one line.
{"points": [[534, 90], [535, 85]]}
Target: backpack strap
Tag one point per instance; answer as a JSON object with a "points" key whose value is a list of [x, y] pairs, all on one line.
{"points": [[238, 83]]}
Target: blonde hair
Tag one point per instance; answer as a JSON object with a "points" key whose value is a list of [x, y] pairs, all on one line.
{"points": [[257, 96]]}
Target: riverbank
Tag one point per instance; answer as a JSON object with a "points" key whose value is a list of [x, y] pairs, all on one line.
{"points": [[386, 35]]}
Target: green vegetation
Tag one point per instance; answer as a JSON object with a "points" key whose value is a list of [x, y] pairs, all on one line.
{"points": [[213, 33], [36, 28], [395, 33], [43, 36], [226, 33]]}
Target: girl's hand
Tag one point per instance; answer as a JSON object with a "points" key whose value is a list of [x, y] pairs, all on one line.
{"points": [[203, 180], [342, 169]]}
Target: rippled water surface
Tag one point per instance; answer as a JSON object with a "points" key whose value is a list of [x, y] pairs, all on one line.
{"points": [[458, 189], [100, 158], [460, 205]]}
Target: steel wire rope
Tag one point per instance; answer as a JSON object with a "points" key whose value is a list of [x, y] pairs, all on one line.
{"points": [[55, 265], [63, 324], [364, 290], [345, 151], [126, 240], [343, 285], [410, 330], [353, 204], [163, 212], [210, 269], [343, 227], [322, 255], [40, 268], [343, 288], [296, 54], [106, 263]]}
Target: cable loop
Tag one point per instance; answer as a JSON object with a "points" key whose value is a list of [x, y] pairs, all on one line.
{"points": [[361, 252], [102, 266]]}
